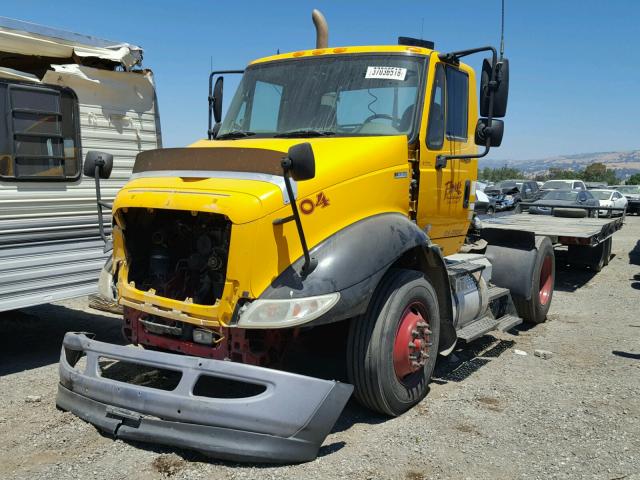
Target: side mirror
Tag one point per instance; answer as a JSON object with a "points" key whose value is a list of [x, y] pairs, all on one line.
{"points": [[300, 162], [495, 133], [500, 88], [217, 99], [102, 160]]}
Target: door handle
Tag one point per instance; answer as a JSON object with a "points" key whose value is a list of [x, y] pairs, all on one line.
{"points": [[467, 194]]}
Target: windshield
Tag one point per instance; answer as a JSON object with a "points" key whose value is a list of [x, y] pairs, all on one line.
{"points": [[557, 184], [561, 195], [601, 194], [629, 189], [333, 95]]}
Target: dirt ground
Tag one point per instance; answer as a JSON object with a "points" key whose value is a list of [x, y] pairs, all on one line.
{"points": [[494, 411]]}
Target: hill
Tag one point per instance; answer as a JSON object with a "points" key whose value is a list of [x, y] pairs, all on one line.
{"points": [[624, 163]]}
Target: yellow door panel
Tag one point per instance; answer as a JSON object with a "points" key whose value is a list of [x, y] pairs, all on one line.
{"points": [[447, 129]]}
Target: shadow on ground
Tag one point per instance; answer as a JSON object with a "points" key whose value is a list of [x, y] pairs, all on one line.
{"points": [[32, 337], [632, 356], [634, 255], [570, 278]]}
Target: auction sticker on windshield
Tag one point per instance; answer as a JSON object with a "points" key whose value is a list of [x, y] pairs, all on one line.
{"points": [[387, 73]]}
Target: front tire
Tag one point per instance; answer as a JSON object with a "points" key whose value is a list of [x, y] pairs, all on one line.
{"points": [[392, 348]]}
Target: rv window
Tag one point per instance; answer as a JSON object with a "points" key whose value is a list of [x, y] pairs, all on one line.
{"points": [[41, 140]]}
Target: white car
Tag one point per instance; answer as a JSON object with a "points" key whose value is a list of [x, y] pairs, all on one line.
{"points": [[609, 198]]}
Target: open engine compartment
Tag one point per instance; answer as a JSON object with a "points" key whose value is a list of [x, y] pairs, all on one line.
{"points": [[179, 254]]}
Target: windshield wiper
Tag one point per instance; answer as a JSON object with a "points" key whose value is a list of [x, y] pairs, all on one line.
{"points": [[234, 134], [304, 133]]}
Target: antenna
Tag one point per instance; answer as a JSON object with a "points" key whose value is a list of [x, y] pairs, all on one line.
{"points": [[502, 34], [421, 28]]}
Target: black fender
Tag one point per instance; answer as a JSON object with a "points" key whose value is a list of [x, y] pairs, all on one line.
{"points": [[513, 257], [354, 260]]}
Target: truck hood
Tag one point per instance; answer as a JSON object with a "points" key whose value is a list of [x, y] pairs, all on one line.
{"points": [[243, 180]]}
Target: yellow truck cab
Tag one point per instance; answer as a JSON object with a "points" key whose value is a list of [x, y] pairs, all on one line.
{"points": [[337, 191]]}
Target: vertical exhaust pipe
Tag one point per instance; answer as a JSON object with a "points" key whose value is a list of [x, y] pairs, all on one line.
{"points": [[322, 29]]}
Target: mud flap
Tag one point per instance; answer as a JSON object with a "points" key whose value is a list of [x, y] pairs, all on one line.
{"points": [[285, 423]]}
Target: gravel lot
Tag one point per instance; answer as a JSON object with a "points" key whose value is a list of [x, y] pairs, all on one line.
{"points": [[492, 412]]}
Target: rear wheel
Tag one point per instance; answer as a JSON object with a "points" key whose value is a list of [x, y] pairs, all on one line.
{"points": [[534, 309], [392, 348], [490, 211], [607, 251]]}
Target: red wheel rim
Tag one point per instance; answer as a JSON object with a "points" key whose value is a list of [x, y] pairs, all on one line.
{"points": [[411, 346], [546, 280]]}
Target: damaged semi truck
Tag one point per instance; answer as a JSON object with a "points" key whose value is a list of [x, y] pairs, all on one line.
{"points": [[335, 195]]}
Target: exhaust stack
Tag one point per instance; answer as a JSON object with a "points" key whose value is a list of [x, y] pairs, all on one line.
{"points": [[322, 29]]}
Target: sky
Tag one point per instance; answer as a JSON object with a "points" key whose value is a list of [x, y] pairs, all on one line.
{"points": [[574, 64]]}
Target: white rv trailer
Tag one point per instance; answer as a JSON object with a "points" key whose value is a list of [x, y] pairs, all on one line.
{"points": [[61, 95]]}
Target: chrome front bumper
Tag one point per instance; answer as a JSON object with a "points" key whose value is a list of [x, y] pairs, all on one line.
{"points": [[286, 423]]}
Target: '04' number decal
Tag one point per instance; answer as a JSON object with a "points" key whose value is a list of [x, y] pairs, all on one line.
{"points": [[307, 206]]}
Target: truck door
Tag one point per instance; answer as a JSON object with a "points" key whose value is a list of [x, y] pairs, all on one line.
{"points": [[445, 199]]}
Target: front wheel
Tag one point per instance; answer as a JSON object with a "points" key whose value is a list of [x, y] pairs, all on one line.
{"points": [[392, 348]]}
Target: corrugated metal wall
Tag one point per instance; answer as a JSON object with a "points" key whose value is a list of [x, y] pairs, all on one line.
{"points": [[50, 247]]}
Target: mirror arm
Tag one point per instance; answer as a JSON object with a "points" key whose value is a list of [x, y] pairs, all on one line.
{"points": [[453, 57], [441, 160], [210, 130], [108, 244], [309, 263]]}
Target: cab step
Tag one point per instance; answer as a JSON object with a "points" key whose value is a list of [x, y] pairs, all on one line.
{"points": [[496, 292], [478, 328], [507, 322]]}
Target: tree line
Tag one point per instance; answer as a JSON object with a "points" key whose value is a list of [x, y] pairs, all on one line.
{"points": [[595, 172]]}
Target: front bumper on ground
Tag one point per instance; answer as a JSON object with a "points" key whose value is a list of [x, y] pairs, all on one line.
{"points": [[286, 423]]}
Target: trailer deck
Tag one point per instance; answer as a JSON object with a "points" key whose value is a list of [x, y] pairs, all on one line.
{"points": [[588, 240], [566, 231]]}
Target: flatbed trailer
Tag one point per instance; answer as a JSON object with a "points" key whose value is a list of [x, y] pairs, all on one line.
{"points": [[588, 239]]}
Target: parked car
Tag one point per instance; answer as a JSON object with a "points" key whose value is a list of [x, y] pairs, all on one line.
{"points": [[609, 198], [528, 190], [552, 202], [597, 185], [561, 185], [506, 195], [632, 194], [480, 185], [509, 193], [484, 205]]}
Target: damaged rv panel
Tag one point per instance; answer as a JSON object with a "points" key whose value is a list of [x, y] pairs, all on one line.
{"points": [[91, 94], [23, 39]]}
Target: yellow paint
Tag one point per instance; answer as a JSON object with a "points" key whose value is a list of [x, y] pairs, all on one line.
{"points": [[444, 213], [301, 54], [356, 177]]}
